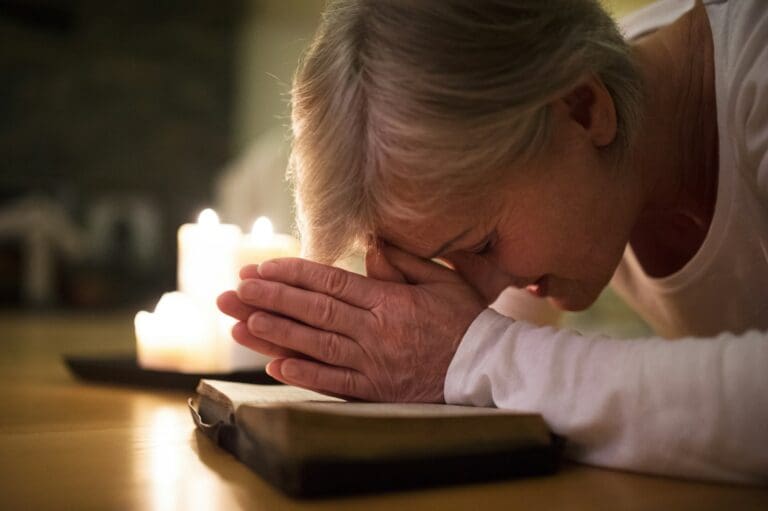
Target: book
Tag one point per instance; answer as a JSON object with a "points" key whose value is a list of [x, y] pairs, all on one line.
{"points": [[311, 445]]}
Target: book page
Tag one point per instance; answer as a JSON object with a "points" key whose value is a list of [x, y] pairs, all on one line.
{"points": [[236, 394]]}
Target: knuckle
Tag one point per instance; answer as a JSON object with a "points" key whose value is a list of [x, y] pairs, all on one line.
{"points": [[326, 312], [291, 268], [270, 293], [336, 282], [348, 384], [331, 348], [389, 304]]}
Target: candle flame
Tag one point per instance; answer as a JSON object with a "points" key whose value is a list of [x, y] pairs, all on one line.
{"points": [[174, 305], [208, 217], [262, 229]]}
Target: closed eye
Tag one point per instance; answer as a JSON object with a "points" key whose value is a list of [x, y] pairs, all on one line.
{"points": [[486, 246]]}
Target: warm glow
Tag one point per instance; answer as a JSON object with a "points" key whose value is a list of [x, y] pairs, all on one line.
{"points": [[208, 217], [165, 464], [165, 468], [207, 252], [262, 230], [175, 335], [174, 305], [186, 332]]}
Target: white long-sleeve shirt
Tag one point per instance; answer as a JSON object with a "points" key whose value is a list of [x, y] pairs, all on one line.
{"points": [[696, 406]]}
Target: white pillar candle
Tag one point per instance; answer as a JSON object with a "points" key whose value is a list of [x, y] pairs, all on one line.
{"points": [[207, 258], [261, 244], [208, 266], [187, 332], [180, 335]]}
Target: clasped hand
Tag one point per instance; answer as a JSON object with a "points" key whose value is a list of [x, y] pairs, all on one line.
{"points": [[387, 337]]}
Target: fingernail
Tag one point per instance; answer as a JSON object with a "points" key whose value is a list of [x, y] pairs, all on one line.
{"points": [[268, 266], [249, 269], [273, 368], [257, 323], [289, 369], [248, 289]]}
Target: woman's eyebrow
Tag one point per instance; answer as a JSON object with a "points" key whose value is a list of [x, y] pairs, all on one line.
{"points": [[444, 247]]}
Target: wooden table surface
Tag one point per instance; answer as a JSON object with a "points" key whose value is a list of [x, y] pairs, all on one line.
{"points": [[66, 444]]}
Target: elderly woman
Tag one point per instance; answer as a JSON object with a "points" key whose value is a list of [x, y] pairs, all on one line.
{"points": [[527, 145]]}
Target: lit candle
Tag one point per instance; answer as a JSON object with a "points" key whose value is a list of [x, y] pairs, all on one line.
{"points": [[187, 332], [180, 335], [207, 258], [262, 243]]}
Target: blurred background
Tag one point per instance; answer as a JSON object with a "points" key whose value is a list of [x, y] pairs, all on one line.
{"points": [[119, 121]]}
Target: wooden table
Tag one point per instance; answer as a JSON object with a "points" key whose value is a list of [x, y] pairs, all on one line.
{"points": [[65, 444]]}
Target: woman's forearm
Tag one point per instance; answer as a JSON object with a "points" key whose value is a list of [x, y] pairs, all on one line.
{"points": [[691, 407]]}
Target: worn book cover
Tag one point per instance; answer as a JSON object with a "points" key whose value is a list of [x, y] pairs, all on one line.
{"points": [[311, 445]]}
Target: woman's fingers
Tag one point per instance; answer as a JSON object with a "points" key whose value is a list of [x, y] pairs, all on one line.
{"points": [[229, 303], [343, 285], [241, 334], [416, 269], [378, 267], [249, 271], [328, 347], [336, 381], [314, 309], [480, 273]]}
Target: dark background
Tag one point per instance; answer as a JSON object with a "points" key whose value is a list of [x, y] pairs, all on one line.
{"points": [[120, 115], [109, 105]]}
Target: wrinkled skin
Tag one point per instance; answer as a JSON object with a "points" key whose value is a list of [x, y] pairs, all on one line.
{"points": [[386, 337]]}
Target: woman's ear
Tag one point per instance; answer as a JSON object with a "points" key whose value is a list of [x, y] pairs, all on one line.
{"points": [[591, 106]]}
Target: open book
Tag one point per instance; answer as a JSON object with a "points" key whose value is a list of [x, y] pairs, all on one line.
{"points": [[308, 444]]}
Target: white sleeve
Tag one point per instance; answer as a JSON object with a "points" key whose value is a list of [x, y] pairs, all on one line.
{"points": [[690, 407]]}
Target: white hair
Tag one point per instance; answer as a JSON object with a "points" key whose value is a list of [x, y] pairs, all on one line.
{"points": [[401, 108]]}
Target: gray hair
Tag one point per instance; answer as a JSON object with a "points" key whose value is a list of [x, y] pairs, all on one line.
{"points": [[403, 107]]}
